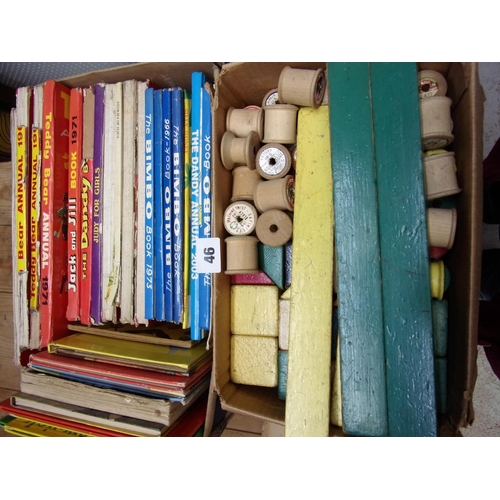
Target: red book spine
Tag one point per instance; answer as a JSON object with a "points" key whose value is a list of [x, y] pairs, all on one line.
{"points": [[86, 241], [74, 215], [54, 213]]}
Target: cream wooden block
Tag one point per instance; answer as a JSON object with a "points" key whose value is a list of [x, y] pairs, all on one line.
{"points": [[284, 323], [441, 227], [254, 360], [309, 344], [287, 293], [254, 310]]}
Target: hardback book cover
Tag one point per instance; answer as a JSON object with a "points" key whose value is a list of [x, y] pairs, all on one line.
{"points": [[167, 200], [74, 203], [54, 213], [34, 199], [205, 230], [158, 207], [95, 307], [24, 427], [149, 294], [128, 199], [186, 321], [177, 201], [87, 203], [139, 236]]}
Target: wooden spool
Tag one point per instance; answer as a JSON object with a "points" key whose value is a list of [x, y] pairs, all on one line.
{"points": [[242, 255], [240, 218], [436, 123], [271, 98], [431, 83], [243, 121], [274, 228], [302, 87], [273, 161], [239, 150], [440, 175], [441, 226], [280, 123], [277, 194], [244, 182]]}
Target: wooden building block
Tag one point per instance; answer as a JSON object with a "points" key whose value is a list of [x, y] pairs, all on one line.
{"points": [[288, 263], [272, 262], [440, 327], [254, 360], [309, 344], [254, 310], [284, 323], [282, 373], [358, 251], [404, 250], [440, 367], [260, 278]]}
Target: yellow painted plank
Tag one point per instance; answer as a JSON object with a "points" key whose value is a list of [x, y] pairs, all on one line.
{"points": [[309, 344]]}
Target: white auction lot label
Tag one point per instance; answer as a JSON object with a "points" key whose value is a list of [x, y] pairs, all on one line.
{"points": [[208, 255]]}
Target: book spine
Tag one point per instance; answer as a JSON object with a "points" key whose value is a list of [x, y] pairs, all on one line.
{"points": [[197, 82], [149, 204], [95, 310], [205, 230], [139, 311], [86, 198], [177, 196], [167, 199], [187, 209], [159, 248], [74, 187], [54, 198]]}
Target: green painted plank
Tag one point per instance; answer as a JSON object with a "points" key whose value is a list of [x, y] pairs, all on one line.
{"points": [[364, 408], [404, 250]]}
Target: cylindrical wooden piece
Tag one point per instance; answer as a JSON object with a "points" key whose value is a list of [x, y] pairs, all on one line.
{"points": [[273, 161], [239, 150], [276, 194], [441, 226], [274, 228], [280, 123], [302, 87], [244, 182], [440, 279], [242, 121], [242, 255], [436, 123], [271, 98], [440, 175], [240, 218], [431, 83]]}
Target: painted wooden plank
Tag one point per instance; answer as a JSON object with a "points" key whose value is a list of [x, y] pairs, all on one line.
{"points": [[404, 249], [364, 409], [309, 345]]}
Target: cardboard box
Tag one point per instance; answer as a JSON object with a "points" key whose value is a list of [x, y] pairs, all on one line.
{"points": [[243, 84]]}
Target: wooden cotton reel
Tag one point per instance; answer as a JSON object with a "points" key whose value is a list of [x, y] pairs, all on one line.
{"points": [[431, 83], [302, 87], [278, 194], [280, 124], [240, 218], [441, 226], [273, 161], [243, 121], [271, 98], [440, 174], [242, 255], [239, 150], [274, 228], [436, 123], [244, 181]]}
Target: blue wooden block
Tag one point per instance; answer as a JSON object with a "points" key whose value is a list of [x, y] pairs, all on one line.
{"points": [[272, 262], [441, 371], [282, 373], [288, 264], [440, 326]]}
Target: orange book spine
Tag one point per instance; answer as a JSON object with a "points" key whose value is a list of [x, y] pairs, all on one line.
{"points": [[54, 212], [74, 210]]}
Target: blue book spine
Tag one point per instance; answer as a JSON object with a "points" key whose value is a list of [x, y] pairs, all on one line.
{"points": [[95, 304], [177, 203], [149, 206], [197, 81], [159, 250], [167, 199], [205, 230]]}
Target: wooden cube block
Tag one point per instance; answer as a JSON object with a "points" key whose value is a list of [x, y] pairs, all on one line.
{"points": [[284, 324], [254, 310], [254, 360]]}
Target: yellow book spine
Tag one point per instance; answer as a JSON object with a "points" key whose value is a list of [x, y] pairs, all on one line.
{"points": [[21, 200], [34, 216]]}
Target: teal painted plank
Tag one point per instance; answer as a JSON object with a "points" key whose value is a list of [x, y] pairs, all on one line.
{"points": [[364, 408], [404, 250]]}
